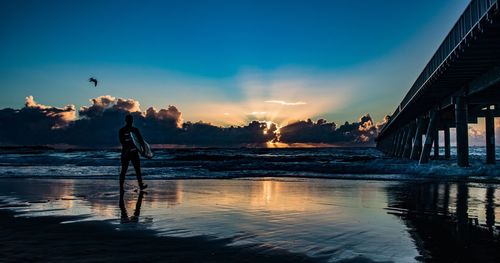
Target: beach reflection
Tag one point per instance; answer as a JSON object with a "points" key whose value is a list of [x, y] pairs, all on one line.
{"points": [[339, 219], [170, 194], [452, 222]]}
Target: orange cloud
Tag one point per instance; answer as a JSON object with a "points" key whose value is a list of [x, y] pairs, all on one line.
{"points": [[61, 116]]}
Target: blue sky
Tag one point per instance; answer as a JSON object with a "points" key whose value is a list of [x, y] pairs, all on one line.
{"points": [[222, 59]]}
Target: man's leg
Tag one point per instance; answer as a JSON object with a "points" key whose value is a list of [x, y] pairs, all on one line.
{"points": [[136, 162], [125, 160]]}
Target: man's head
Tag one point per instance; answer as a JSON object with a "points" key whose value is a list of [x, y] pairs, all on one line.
{"points": [[129, 119]]}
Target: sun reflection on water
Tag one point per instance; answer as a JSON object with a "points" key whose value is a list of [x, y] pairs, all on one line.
{"points": [[318, 215]]}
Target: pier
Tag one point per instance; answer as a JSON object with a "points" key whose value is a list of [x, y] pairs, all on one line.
{"points": [[459, 84]]}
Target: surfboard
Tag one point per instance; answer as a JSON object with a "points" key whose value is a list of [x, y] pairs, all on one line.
{"points": [[146, 151]]}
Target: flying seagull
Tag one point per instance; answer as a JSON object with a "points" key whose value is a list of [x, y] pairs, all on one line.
{"points": [[93, 80]]}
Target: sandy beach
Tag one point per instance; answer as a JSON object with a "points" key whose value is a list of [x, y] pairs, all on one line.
{"points": [[248, 220]]}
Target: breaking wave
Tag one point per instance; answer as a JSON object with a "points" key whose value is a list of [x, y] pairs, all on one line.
{"points": [[345, 163]]}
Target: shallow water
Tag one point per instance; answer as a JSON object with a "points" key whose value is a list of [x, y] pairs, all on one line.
{"points": [[336, 219]]}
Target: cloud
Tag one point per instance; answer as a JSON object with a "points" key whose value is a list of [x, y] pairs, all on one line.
{"points": [[322, 131], [35, 123], [99, 122], [380, 125], [127, 105], [60, 116], [258, 113], [200, 133], [170, 114], [475, 132], [107, 102], [282, 102]]}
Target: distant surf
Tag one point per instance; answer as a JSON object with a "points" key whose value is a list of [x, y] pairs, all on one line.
{"points": [[206, 163]]}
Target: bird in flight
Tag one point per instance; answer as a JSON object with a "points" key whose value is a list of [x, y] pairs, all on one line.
{"points": [[92, 79]]}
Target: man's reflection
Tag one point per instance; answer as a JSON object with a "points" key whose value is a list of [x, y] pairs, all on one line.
{"points": [[124, 215]]}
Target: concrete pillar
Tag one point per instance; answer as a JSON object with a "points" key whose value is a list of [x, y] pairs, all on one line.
{"points": [[490, 137], [380, 145], [386, 145], [390, 143], [462, 131], [429, 138], [436, 144], [395, 143], [407, 134], [401, 147], [417, 140], [447, 146], [409, 138], [398, 143]]}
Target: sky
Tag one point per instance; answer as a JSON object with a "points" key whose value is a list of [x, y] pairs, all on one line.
{"points": [[223, 62]]}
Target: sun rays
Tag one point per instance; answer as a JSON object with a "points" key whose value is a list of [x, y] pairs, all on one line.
{"points": [[281, 98]]}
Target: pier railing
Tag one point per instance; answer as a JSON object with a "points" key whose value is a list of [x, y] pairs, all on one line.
{"points": [[476, 11]]}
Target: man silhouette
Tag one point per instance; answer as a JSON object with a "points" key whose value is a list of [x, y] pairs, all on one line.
{"points": [[130, 151]]}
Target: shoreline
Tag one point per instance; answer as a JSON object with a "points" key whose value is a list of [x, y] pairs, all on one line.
{"points": [[482, 179]]}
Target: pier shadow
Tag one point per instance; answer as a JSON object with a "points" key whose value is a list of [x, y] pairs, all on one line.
{"points": [[447, 222]]}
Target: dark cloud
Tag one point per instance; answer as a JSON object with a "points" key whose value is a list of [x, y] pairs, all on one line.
{"points": [[98, 124], [364, 131], [107, 103], [35, 123], [61, 116], [205, 134]]}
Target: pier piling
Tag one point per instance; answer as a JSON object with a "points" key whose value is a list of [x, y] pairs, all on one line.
{"points": [[462, 131], [429, 138], [436, 143], [408, 142], [417, 141], [490, 136], [447, 146]]}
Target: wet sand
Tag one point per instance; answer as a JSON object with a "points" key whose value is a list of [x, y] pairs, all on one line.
{"points": [[45, 239], [249, 220]]}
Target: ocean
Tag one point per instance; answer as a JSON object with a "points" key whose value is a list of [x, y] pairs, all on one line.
{"points": [[206, 163]]}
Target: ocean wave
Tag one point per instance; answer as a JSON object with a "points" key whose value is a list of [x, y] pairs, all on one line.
{"points": [[343, 163]]}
